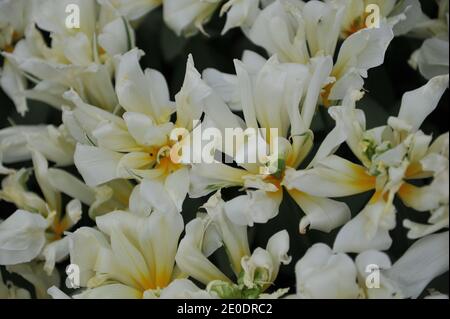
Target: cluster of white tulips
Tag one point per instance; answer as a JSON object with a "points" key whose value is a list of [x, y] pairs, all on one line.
{"points": [[117, 124]]}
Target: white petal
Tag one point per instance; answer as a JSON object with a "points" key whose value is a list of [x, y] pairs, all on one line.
{"points": [[22, 237], [145, 131], [426, 259], [158, 196], [177, 185], [321, 274], [321, 213], [190, 258], [254, 207], [70, 185], [331, 177], [114, 138], [183, 289], [111, 291], [96, 165], [368, 230], [418, 104]]}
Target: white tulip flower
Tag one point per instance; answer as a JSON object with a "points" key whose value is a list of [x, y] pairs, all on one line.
{"points": [[270, 98], [53, 142], [391, 156], [254, 273], [15, 17], [324, 274], [78, 57], [431, 59], [138, 144], [36, 230], [131, 256], [298, 32]]}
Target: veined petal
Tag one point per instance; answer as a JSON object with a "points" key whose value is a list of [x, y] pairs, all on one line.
{"points": [[369, 229], [55, 252], [130, 83], [70, 185], [332, 176], [132, 164], [187, 16], [190, 100], [157, 196], [190, 258], [84, 246], [177, 185], [418, 104], [246, 91], [207, 178], [321, 213], [426, 259], [363, 50], [423, 198], [52, 196], [116, 37], [233, 236], [22, 237], [322, 274], [255, 207], [14, 84], [96, 165], [184, 289], [161, 232], [145, 131], [111, 137]]}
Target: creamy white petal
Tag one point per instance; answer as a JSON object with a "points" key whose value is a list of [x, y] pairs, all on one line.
{"points": [[70, 185], [321, 213], [22, 237], [158, 196], [254, 207], [96, 165], [332, 176], [190, 258], [112, 291], [418, 104], [368, 230], [177, 185], [426, 259], [322, 274]]}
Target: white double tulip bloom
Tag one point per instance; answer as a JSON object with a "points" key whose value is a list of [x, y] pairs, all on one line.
{"points": [[432, 57], [53, 142], [138, 144], [15, 17], [298, 32], [391, 157], [36, 229], [77, 57], [130, 256], [253, 272], [324, 274], [272, 95]]}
